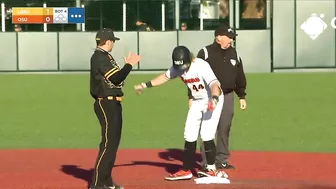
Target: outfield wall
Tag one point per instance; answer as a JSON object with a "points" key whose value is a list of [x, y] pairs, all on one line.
{"points": [[292, 47], [66, 51]]}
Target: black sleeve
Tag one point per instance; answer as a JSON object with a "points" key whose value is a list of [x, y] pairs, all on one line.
{"points": [[240, 81], [201, 54], [113, 73], [121, 75]]}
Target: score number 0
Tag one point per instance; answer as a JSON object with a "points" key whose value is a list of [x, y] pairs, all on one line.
{"points": [[47, 19]]}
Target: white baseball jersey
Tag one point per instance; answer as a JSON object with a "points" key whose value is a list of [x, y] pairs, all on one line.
{"points": [[198, 78]]}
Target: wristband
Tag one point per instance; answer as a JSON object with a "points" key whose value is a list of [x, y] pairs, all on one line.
{"points": [[215, 98], [143, 85], [149, 84]]}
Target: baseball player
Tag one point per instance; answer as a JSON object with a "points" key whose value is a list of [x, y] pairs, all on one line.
{"points": [[204, 112]]}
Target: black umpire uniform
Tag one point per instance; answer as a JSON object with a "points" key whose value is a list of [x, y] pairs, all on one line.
{"points": [[228, 68], [106, 82]]}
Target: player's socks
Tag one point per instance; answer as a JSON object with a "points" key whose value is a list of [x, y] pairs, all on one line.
{"points": [[188, 155], [210, 151]]}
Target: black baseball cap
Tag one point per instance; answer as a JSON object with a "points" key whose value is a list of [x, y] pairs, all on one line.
{"points": [[225, 30], [106, 34]]}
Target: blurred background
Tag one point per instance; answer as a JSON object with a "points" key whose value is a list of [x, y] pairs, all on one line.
{"points": [[271, 34], [109, 13]]}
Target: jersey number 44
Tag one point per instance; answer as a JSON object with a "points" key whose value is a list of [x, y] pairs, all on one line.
{"points": [[196, 87]]}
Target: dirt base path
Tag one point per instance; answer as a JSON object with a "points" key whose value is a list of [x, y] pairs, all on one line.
{"points": [[146, 169]]}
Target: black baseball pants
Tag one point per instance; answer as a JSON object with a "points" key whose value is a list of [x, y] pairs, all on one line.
{"points": [[109, 114]]}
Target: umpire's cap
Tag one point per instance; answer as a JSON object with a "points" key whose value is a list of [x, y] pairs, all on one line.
{"points": [[106, 34], [225, 30]]}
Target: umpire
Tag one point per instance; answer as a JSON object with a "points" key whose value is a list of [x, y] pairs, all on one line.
{"points": [[106, 82], [228, 68]]}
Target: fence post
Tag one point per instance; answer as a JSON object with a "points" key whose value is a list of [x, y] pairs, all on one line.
{"points": [[163, 19], [177, 14], [3, 17], [78, 4], [124, 16], [45, 26], [83, 24], [201, 16]]}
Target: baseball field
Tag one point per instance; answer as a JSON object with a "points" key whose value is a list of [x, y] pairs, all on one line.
{"points": [[49, 134]]}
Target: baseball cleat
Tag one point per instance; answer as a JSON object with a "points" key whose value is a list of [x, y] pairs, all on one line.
{"points": [[225, 166], [212, 173], [206, 172], [180, 175]]}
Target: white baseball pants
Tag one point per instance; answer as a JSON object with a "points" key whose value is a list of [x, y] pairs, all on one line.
{"points": [[201, 121]]}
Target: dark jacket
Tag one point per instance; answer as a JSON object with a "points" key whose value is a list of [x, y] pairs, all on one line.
{"points": [[227, 66], [106, 77]]}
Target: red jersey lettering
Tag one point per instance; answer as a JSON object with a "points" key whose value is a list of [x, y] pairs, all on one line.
{"points": [[192, 80]]}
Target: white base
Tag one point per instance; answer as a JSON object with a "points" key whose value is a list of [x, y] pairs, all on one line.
{"points": [[212, 180]]}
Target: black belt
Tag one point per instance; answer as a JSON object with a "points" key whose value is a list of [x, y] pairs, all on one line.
{"points": [[117, 98]]}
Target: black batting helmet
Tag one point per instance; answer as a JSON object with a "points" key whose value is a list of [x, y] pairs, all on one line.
{"points": [[181, 57]]}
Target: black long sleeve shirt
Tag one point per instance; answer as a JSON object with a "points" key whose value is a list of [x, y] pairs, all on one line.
{"points": [[106, 77], [227, 66]]}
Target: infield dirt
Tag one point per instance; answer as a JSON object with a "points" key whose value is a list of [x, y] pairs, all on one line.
{"points": [[146, 169]]}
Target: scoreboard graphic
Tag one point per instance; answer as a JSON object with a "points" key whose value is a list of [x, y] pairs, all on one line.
{"points": [[56, 15]]}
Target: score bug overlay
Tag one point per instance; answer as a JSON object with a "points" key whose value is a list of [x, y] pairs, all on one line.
{"points": [[76, 15], [48, 15], [55, 15], [27, 15], [60, 15]]}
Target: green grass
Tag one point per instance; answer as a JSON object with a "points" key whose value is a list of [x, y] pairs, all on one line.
{"points": [[285, 112]]}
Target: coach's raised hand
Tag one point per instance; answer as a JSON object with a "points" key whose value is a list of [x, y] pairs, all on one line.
{"points": [[132, 59]]}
